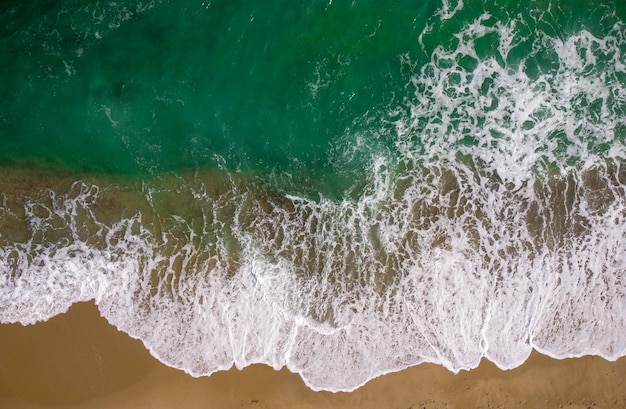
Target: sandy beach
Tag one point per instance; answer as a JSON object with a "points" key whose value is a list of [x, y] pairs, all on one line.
{"points": [[79, 360]]}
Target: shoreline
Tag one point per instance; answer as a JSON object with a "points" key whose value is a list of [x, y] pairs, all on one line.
{"points": [[78, 360]]}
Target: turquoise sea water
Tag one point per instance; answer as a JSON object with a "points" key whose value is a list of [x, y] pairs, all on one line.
{"points": [[153, 88], [344, 188]]}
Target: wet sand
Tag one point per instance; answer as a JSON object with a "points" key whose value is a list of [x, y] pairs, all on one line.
{"points": [[78, 360]]}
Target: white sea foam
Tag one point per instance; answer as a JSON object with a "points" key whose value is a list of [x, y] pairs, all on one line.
{"points": [[456, 250]]}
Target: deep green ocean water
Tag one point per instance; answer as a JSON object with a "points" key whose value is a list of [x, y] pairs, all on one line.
{"points": [[282, 87], [132, 89], [346, 188]]}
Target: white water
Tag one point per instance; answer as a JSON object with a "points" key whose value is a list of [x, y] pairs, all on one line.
{"points": [[442, 258]]}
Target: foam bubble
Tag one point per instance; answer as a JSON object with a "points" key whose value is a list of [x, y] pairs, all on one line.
{"points": [[433, 267], [510, 117]]}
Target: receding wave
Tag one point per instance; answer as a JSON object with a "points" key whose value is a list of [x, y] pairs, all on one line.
{"points": [[441, 265]]}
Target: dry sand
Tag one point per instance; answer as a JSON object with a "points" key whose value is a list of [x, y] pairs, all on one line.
{"points": [[78, 360]]}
